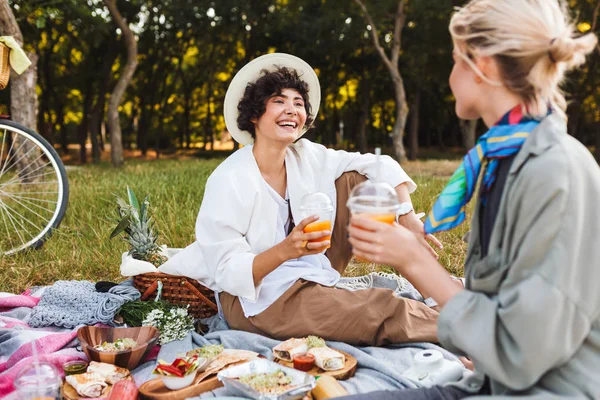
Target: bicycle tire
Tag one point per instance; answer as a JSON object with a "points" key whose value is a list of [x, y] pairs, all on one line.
{"points": [[63, 184]]}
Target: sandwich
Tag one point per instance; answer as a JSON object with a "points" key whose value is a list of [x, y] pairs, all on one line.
{"points": [[89, 384], [287, 350], [111, 373], [327, 359]]}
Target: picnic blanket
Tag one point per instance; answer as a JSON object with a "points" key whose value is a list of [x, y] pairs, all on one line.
{"points": [[380, 368], [53, 344]]}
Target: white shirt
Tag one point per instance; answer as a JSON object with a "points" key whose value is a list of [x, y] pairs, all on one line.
{"points": [[238, 218], [314, 268]]}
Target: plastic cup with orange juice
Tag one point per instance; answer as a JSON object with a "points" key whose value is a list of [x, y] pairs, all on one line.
{"points": [[317, 204], [374, 200]]}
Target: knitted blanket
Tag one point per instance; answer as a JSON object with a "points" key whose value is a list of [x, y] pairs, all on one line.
{"points": [[72, 303]]}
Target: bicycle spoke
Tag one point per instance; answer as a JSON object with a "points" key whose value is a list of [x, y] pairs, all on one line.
{"points": [[18, 179], [4, 219], [23, 219], [30, 172], [34, 192], [35, 183], [8, 156], [10, 217], [30, 210], [2, 148], [28, 200], [24, 155]]}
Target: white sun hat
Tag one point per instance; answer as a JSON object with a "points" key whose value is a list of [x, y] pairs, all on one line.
{"points": [[250, 73]]}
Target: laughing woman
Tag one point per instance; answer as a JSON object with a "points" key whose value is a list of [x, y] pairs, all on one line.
{"points": [[529, 318], [271, 279]]}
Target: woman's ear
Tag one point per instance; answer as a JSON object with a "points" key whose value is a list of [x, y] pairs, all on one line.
{"points": [[253, 120], [488, 67]]}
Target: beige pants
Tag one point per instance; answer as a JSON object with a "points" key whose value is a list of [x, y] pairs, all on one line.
{"points": [[364, 317]]}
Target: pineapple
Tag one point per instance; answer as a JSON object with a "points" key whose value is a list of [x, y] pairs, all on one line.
{"points": [[136, 222]]}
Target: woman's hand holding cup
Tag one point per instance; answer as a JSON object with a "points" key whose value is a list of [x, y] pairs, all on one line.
{"points": [[382, 243], [298, 243]]}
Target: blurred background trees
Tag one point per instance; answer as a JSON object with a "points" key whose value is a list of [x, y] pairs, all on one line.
{"points": [[188, 51]]}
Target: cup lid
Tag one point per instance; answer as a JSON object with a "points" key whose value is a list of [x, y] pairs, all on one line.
{"points": [[373, 195], [37, 374], [316, 201]]}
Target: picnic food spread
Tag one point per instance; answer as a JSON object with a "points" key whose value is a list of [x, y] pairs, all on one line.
{"points": [[180, 367], [271, 383], [209, 352], [89, 384], [109, 372], [117, 345], [98, 377], [75, 367], [324, 357], [304, 362]]}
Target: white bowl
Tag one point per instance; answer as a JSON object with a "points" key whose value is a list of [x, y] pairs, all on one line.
{"points": [[176, 383]]}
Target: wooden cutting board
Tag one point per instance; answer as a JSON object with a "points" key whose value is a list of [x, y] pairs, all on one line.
{"points": [[69, 392], [341, 374], [155, 389], [206, 381]]}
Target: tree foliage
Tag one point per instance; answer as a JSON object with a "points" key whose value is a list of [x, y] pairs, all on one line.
{"points": [[188, 51]]}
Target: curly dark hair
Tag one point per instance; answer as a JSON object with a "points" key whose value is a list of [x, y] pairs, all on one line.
{"points": [[272, 83]]}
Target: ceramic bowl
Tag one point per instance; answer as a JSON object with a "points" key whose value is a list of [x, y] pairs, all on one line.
{"points": [[176, 383], [145, 337]]}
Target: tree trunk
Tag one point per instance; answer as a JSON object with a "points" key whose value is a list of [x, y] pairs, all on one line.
{"points": [[401, 115], [414, 127], [365, 106], [82, 131], [60, 121], [161, 116], [104, 79], [116, 140], [23, 95], [391, 64], [184, 132], [468, 129]]}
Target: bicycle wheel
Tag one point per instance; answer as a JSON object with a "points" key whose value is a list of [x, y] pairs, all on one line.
{"points": [[33, 188]]}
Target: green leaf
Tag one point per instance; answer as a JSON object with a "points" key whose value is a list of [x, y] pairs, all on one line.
{"points": [[123, 224], [132, 199], [144, 208]]}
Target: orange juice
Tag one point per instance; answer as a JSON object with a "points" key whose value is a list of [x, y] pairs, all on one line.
{"points": [[385, 218], [319, 226]]}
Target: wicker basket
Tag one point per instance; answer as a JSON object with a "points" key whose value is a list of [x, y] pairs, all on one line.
{"points": [[4, 66], [178, 290]]}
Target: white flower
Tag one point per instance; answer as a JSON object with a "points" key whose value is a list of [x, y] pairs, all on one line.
{"points": [[173, 326]]}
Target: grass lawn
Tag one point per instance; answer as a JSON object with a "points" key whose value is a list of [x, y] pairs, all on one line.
{"points": [[81, 248]]}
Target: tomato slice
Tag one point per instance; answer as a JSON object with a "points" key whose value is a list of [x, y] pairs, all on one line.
{"points": [[170, 369]]}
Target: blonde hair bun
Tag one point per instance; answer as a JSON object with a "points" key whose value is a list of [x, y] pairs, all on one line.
{"points": [[571, 51], [534, 43]]}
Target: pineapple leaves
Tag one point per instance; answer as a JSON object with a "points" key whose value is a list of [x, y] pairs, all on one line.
{"points": [[136, 223], [132, 199], [123, 224]]}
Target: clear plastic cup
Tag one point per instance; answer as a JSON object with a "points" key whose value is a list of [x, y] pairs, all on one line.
{"points": [[37, 381], [317, 204], [374, 200]]}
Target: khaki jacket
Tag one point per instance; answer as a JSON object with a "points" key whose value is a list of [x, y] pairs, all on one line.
{"points": [[530, 317]]}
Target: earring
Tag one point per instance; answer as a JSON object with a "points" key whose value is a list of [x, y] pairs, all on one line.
{"points": [[478, 79]]}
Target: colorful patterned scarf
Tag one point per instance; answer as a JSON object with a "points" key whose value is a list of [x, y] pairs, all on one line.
{"points": [[502, 140]]}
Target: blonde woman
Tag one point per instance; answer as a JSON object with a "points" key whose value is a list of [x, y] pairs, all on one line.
{"points": [[529, 318]]}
